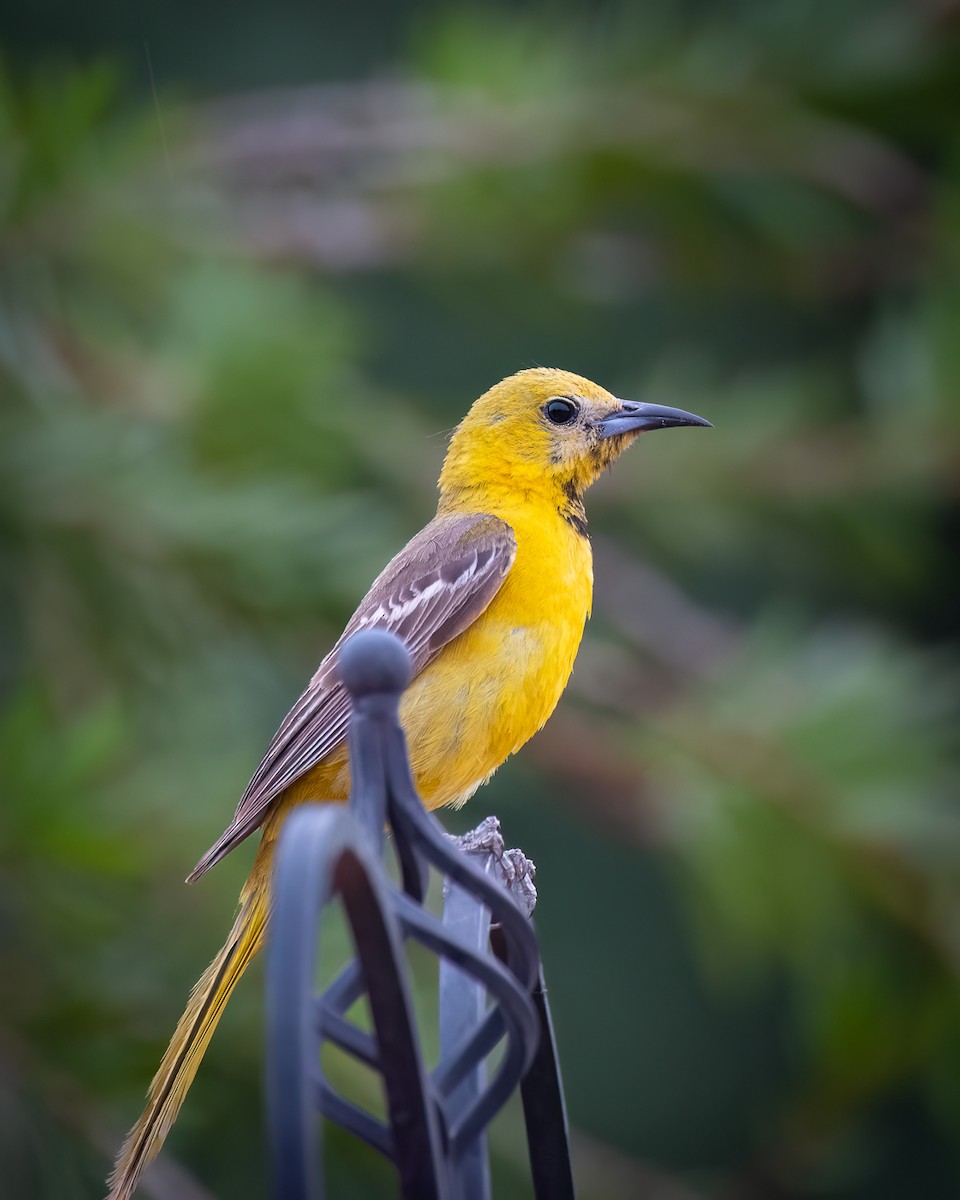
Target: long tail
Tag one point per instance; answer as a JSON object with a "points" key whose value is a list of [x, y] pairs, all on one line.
{"points": [[192, 1036]]}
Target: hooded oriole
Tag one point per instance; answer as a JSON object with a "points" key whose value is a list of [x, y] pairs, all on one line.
{"points": [[491, 600]]}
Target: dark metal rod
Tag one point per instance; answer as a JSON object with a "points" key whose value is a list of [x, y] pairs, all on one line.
{"points": [[515, 1007], [481, 1040], [545, 1113], [413, 1119], [343, 1033], [301, 875], [462, 1005], [368, 794], [346, 989], [349, 1116], [544, 1105]]}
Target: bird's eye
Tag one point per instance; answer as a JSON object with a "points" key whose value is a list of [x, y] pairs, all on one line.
{"points": [[560, 410]]}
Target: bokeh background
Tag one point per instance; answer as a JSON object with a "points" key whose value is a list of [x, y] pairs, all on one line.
{"points": [[254, 264]]}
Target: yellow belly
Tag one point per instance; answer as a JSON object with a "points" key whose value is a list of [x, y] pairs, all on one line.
{"points": [[495, 685]]}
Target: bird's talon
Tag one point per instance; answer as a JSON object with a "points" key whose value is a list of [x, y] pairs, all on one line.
{"points": [[512, 867]]}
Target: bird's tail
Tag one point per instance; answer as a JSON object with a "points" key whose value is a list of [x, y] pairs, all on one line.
{"points": [[192, 1036]]}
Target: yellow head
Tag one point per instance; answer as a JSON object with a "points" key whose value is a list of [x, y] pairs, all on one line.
{"points": [[546, 432]]}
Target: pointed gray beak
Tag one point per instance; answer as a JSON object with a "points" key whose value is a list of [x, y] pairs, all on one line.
{"points": [[636, 417]]}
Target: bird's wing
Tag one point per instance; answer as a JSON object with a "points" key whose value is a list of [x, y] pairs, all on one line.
{"points": [[432, 591]]}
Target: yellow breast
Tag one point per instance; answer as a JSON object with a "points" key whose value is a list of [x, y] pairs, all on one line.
{"points": [[496, 684]]}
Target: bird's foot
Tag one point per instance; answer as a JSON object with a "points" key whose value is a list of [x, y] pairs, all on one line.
{"points": [[511, 867]]}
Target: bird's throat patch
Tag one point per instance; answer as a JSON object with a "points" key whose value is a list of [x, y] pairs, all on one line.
{"points": [[572, 509]]}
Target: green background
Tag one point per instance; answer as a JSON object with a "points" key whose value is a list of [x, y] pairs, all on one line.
{"points": [[242, 303]]}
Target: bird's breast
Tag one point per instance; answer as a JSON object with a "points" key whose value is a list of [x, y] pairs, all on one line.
{"points": [[496, 684]]}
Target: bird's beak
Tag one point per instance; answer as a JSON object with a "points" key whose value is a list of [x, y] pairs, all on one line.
{"points": [[634, 417]]}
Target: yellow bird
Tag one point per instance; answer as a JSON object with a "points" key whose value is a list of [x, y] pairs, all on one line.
{"points": [[491, 599]]}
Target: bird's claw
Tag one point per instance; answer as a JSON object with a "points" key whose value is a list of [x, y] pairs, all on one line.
{"points": [[512, 867]]}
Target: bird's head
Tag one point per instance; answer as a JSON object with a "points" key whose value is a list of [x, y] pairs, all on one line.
{"points": [[547, 428]]}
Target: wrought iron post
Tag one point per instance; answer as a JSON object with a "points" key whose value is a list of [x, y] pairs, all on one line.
{"points": [[436, 1132]]}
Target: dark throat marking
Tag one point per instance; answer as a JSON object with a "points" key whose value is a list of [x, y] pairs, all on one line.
{"points": [[572, 509]]}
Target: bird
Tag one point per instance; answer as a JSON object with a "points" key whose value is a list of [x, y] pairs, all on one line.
{"points": [[490, 599]]}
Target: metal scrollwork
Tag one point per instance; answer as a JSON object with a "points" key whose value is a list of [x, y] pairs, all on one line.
{"points": [[491, 985]]}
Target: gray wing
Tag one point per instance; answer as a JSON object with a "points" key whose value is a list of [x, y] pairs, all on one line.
{"points": [[432, 591]]}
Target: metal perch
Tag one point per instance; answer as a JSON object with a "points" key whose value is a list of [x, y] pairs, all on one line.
{"points": [[491, 985]]}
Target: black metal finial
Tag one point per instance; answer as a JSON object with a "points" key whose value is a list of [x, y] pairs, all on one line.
{"points": [[374, 662]]}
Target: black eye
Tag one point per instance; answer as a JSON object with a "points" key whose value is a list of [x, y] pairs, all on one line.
{"points": [[560, 410]]}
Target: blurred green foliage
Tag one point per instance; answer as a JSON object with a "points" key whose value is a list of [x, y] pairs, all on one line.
{"points": [[233, 333]]}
